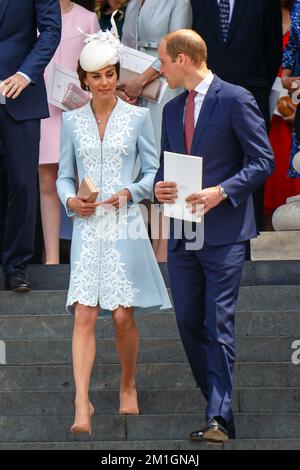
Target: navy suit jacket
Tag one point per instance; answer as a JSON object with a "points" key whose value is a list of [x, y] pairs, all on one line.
{"points": [[251, 56], [231, 137], [22, 50]]}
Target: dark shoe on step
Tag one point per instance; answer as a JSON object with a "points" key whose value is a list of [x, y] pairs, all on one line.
{"points": [[17, 283], [215, 430]]}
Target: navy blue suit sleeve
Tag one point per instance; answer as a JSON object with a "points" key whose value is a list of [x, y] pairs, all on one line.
{"points": [[249, 127], [48, 21], [165, 147]]}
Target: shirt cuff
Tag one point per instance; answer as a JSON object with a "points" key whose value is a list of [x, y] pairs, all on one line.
{"points": [[25, 76]]}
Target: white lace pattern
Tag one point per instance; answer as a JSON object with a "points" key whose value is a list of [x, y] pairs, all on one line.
{"points": [[98, 276]]}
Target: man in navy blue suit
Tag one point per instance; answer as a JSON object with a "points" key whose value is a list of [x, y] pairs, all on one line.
{"points": [[23, 58], [221, 123]]}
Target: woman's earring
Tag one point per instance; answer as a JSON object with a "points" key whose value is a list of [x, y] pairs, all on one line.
{"points": [[87, 88]]}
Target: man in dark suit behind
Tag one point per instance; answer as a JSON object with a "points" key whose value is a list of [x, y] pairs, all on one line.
{"points": [[244, 41], [23, 58], [221, 123]]}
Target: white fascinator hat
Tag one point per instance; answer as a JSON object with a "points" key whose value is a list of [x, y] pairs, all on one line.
{"points": [[101, 50]]}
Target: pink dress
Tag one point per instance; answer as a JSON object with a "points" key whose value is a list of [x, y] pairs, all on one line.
{"points": [[67, 55]]}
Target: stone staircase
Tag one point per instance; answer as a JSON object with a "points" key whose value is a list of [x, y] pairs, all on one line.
{"points": [[36, 384]]}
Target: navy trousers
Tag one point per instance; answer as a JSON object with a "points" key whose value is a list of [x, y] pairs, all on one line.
{"points": [[20, 147], [205, 285]]}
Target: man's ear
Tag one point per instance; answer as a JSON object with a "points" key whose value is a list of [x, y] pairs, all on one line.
{"points": [[181, 59]]}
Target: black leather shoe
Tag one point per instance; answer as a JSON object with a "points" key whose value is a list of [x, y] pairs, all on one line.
{"points": [[17, 283], [215, 430]]}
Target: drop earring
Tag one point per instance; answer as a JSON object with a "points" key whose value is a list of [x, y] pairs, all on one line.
{"points": [[87, 88]]}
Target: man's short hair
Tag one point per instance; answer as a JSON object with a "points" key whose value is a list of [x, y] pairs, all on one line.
{"points": [[187, 42]]}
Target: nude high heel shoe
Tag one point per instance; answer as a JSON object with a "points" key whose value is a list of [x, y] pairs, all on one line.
{"points": [[84, 426], [129, 403]]}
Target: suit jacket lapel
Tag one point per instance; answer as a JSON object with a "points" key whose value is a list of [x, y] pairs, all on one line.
{"points": [[238, 10], [212, 7], [3, 6], [178, 123], [208, 105]]}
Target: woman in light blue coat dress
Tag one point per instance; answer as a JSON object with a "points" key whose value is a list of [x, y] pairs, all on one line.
{"points": [[112, 261]]}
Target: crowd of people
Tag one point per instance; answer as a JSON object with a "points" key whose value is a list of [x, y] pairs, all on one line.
{"points": [[220, 59], [250, 57]]}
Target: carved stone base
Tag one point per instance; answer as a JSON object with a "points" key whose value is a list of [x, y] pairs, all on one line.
{"points": [[272, 246]]}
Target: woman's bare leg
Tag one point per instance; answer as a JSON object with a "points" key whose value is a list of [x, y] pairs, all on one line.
{"points": [[50, 212], [84, 353], [127, 342]]}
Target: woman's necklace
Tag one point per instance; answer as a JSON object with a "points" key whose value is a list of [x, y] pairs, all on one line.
{"points": [[105, 119]]}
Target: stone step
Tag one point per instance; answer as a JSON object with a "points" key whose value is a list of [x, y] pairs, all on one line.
{"points": [[149, 376], [125, 445], [158, 325], [254, 273], [189, 401], [152, 350], [144, 427], [259, 298], [238, 444]]}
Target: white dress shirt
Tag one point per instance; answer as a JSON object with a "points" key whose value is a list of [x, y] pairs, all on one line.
{"points": [[231, 7], [24, 75], [201, 90]]}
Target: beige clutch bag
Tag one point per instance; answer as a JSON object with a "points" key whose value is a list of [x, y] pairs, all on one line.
{"points": [[150, 91], [88, 188]]}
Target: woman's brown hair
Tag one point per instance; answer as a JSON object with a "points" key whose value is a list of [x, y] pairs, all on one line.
{"points": [[103, 6], [82, 74], [88, 4]]}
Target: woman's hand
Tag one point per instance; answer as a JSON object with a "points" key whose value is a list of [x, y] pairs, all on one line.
{"points": [[134, 88], [289, 83], [121, 94], [290, 119], [118, 200], [81, 207]]}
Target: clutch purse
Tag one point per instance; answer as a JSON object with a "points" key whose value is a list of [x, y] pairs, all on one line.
{"points": [[150, 91], [286, 106], [88, 188], [74, 97]]}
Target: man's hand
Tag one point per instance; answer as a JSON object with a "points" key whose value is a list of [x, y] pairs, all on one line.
{"points": [[13, 86], [166, 192], [207, 198], [118, 200], [81, 207]]}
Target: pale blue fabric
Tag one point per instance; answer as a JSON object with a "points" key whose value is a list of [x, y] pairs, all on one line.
{"points": [[144, 28], [111, 264]]}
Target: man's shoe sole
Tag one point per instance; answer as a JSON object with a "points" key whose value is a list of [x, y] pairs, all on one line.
{"points": [[20, 289], [215, 435]]}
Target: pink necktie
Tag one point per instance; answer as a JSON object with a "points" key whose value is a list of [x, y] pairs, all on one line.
{"points": [[189, 120]]}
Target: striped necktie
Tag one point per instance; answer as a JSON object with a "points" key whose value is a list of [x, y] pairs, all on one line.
{"points": [[224, 16]]}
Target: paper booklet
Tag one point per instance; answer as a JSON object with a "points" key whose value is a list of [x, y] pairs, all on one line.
{"points": [[186, 171], [64, 90]]}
